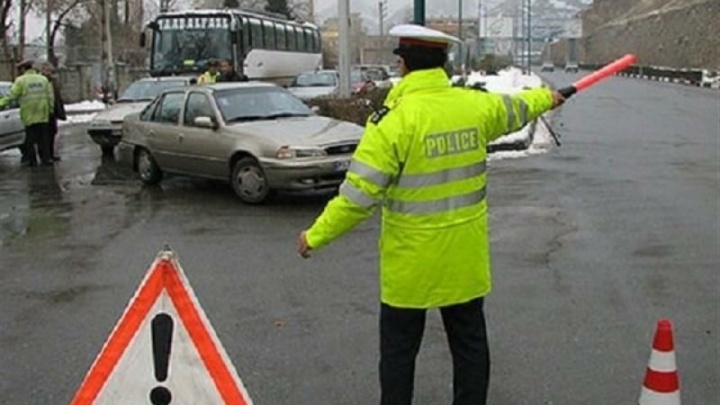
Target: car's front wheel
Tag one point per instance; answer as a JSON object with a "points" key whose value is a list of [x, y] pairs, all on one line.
{"points": [[249, 181], [148, 169]]}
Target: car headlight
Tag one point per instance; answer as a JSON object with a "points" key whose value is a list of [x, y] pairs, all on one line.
{"points": [[291, 152], [100, 123]]}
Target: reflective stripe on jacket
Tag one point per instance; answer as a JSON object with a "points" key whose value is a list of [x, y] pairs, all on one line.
{"points": [[35, 96], [424, 162]]}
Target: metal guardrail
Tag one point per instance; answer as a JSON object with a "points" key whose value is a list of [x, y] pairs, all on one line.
{"points": [[693, 77]]}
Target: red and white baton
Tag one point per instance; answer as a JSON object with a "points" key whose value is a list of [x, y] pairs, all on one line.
{"points": [[591, 79]]}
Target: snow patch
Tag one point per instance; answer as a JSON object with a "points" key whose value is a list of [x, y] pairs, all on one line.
{"points": [[84, 106], [78, 119]]}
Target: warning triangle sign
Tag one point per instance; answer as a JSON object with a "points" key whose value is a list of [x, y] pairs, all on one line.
{"points": [[163, 351]]}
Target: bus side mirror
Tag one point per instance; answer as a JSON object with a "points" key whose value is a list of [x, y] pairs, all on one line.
{"points": [[143, 39]]}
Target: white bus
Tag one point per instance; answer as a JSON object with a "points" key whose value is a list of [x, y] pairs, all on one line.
{"points": [[263, 47]]}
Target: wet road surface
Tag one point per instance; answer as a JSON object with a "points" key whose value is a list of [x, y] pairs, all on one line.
{"points": [[593, 243]]}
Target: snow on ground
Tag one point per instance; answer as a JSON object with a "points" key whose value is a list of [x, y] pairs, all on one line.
{"points": [[511, 81], [77, 119], [542, 142], [85, 106]]}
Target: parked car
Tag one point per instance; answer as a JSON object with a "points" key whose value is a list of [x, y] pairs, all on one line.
{"points": [[572, 67], [259, 136], [360, 82], [106, 127], [547, 67], [379, 76], [319, 83], [12, 132]]}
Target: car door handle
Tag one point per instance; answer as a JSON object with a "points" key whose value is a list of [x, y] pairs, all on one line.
{"points": [[181, 138]]}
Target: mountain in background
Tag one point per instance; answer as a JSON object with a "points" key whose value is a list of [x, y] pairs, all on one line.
{"points": [[400, 11]]}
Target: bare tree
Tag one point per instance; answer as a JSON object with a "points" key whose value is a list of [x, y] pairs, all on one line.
{"points": [[242, 4], [5, 25], [57, 12]]}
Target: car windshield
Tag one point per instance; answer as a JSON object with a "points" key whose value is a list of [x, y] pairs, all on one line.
{"points": [[187, 44], [357, 76], [321, 79], [146, 90], [374, 74], [259, 103]]}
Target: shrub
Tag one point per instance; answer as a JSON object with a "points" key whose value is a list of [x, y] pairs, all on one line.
{"points": [[355, 109]]}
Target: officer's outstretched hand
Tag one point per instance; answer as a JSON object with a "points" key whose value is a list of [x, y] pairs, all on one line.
{"points": [[303, 247], [558, 99]]}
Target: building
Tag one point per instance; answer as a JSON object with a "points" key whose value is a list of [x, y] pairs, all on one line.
{"points": [[330, 34]]}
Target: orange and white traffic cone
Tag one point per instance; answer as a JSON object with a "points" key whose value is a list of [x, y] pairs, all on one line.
{"points": [[662, 384]]}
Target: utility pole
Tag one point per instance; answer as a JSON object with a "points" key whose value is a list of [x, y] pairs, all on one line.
{"points": [[48, 21], [419, 12], [529, 34], [21, 31], [461, 45], [111, 58], [344, 47], [382, 9], [311, 11], [103, 50]]}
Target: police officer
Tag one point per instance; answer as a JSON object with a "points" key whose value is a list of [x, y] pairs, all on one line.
{"points": [[422, 158], [211, 75], [34, 93]]}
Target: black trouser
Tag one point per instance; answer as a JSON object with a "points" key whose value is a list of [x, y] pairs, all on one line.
{"points": [[36, 142], [401, 332], [52, 130]]}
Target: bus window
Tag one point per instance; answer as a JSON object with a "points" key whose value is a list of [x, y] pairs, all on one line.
{"points": [[245, 33], [318, 41], [300, 34], [269, 34], [281, 36], [292, 39], [309, 40], [256, 33]]}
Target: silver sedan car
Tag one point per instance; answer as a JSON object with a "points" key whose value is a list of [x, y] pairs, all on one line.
{"points": [[258, 136], [12, 131], [105, 129]]}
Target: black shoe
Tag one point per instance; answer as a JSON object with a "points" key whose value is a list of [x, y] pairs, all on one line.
{"points": [[48, 163], [56, 158]]}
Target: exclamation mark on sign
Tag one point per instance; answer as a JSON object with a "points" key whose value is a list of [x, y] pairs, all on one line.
{"points": [[162, 329]]}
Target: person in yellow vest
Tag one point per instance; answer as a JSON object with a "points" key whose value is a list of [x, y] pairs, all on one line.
{"points": [[211, 75], [35, 96], [422, 159]]}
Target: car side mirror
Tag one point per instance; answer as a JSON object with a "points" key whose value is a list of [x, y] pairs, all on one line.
{"points": [[205, 122]]}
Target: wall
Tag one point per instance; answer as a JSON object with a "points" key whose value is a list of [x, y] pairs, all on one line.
{"points": [[681, 35], [79, 82]]}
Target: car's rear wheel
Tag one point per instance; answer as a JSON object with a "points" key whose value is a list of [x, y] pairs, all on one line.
{"points": [[249, 181], [148, 169]]}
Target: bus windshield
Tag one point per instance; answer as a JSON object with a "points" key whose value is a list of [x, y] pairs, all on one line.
{"points": [[187, 44]]}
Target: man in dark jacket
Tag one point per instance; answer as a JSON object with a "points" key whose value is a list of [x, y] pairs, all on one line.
{"points": [[228, 73], [58, 109]]}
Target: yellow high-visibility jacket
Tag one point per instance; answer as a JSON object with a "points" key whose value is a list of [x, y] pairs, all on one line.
{"points": [[35, 96], [208, 78], [423, 159]]}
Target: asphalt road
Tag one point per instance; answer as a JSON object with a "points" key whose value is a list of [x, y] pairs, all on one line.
{"points": [[593, 242]]}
